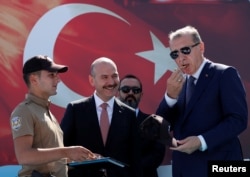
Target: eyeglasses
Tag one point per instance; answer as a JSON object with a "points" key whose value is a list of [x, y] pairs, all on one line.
{"points": [[126, 89], [184, 50]]}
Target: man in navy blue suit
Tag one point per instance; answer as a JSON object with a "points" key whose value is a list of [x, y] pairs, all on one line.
{"points": [[207, 126], [152, 151]]}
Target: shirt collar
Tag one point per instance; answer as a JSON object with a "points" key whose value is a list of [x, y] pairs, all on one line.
{"points": [[137, 111], [37, 100], [198, 72], [99, 101]]}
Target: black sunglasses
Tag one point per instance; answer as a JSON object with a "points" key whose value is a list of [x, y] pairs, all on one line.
{"points": [[185, 50], [126, 89]]}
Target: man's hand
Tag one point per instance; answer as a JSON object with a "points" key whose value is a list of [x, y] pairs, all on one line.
{"points": [[187, 145], [79, 153], [175, 83]]}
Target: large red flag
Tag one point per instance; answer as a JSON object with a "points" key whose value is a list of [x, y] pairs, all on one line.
{"points": [[132, 33]]}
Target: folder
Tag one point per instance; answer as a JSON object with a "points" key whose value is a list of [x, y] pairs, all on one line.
{"points": [[103, 161]]}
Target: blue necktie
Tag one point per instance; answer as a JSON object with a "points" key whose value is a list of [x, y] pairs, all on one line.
{"points": [[190, 88]]}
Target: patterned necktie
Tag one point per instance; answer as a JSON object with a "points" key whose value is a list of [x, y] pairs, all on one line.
{"points": [[190, 88], [104, 122]]}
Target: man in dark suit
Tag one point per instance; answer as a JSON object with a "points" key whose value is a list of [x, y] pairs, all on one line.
{"points": [[208, 125], [81, 125], [152, 152]]}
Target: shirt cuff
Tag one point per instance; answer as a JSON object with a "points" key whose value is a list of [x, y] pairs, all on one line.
{"points": [[203, 143], [170, 101]]}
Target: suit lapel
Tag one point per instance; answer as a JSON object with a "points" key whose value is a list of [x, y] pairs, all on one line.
{"points": [[117, 112], [95, 122], [201, 85], [141, 117]]}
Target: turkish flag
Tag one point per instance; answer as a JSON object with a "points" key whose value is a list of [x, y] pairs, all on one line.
{"points": [[132, 33], [86, 31]]}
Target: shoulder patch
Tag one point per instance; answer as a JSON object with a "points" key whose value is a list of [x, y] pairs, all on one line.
{"points": [[16, 123]]}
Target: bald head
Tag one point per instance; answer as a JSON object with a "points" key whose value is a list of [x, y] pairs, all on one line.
{"points": [[99, 61]]}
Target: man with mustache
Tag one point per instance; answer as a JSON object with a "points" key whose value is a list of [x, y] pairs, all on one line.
{"points": [[130, 91], [152, 152], [82, 125]]}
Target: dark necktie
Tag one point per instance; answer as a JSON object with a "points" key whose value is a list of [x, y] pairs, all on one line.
{"points": [[104, 122], [190, 88]]}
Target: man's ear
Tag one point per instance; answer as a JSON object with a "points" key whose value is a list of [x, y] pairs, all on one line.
{"points": [[202, 47], [91, 80], [33, 79]]}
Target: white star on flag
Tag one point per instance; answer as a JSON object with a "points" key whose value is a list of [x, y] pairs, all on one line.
{"points": [[160, 57]]}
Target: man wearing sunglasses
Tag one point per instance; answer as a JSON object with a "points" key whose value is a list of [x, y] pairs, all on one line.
{"points": [[152, 152], [208, 122], [130, 91]]}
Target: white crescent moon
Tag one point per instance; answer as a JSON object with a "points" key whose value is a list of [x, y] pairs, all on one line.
{"points": [[43, 35]]}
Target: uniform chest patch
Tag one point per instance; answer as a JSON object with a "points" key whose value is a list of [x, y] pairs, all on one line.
{"points": [[16, 123]]}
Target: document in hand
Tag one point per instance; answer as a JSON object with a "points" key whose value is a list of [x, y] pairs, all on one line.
{"points": [[100, 161]]}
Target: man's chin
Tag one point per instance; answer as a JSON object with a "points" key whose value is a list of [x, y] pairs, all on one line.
{"points": [[131, 104], [54, 93]]}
